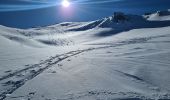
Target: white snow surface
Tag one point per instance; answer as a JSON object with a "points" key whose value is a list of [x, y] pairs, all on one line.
{"points": [[159, 16], [106, 59]]}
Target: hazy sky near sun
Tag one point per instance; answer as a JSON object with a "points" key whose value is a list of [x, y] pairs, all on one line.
{"points": [[16, 5], [31, 13]]}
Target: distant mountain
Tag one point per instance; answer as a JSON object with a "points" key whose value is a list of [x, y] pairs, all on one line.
{"points": [[159, 16], [18, 13], [117, 23]]}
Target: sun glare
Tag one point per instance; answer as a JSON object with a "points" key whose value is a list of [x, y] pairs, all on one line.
{"points": [[65, 3]]}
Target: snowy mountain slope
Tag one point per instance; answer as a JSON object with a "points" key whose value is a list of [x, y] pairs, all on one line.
{"points": [[59, 34], [127, 65], [118, 57], [120, 22], [159, 16]]}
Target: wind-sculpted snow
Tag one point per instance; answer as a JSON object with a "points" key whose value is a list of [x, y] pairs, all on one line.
{"points": [[122, 57], [12, 81]]}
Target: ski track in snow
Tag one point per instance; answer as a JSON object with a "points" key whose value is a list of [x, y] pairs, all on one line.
{"points": [[15, 80], [31, 72]]}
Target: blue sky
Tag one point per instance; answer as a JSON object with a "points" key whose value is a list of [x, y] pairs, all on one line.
{"points": [[33, 13]]}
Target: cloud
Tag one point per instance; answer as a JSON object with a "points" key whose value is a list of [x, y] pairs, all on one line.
{"points": [[14, 5]]}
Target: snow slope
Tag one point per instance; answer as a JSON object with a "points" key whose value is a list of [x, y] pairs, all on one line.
{"points": [[159, 16], [118, 57]]}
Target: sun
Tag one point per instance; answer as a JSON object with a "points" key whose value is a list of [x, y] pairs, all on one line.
{"points": [[65, 3]]}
